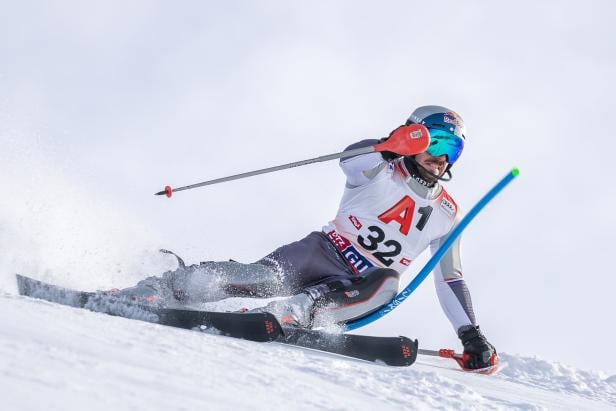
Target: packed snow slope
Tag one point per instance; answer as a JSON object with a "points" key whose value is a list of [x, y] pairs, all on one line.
{"points": [[61, 358]]}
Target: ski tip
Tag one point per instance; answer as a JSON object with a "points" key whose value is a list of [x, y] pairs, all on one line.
{"points": [[515, 171]]}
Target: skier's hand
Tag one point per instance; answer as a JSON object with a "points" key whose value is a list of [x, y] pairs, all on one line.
{"points": [[478, 352], [405, 140], [388, 155]]}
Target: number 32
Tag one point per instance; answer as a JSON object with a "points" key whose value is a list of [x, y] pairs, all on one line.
{"points": [[371, 243]]}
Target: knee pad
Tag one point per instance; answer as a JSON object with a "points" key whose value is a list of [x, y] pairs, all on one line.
{"points": [[362, 297]]}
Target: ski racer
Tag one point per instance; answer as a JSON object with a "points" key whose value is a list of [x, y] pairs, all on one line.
{"points": [[392, 209]]}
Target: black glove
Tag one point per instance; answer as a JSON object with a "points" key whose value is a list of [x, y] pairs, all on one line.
{"points": [[388, 155], [478, 352]]}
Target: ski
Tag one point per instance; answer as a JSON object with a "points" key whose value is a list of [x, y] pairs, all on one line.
{"points": [[259, 327], [394, 351], [49, 292]]}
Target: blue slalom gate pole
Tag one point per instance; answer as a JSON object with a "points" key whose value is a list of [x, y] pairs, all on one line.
{"points": [[455, 233]]}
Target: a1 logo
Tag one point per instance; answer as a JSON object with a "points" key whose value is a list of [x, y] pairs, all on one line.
{"points": [[402, 213]]}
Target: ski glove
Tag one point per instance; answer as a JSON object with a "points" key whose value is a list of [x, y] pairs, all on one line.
{"points": [[389, 155], [478, 352]]}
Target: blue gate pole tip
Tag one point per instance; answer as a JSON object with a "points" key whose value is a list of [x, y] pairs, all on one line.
{"points": [[515, 171]]}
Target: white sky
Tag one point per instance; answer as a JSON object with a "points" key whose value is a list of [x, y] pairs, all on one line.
{"points": [[103, 103]]}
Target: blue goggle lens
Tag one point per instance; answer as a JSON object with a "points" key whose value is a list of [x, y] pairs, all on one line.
{"points": [[445, 143]]}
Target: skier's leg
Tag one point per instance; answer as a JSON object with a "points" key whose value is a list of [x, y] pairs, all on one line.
{"points": [[283, 272], [216, 280], [337, 299], [287, 270], [345, 302], [307, 261], [208, 281]]}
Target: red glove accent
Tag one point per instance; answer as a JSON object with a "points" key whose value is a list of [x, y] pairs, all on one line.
{"points": [[406, 140]]}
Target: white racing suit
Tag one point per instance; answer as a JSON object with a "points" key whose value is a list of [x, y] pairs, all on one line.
{"points": [[352, 267]]}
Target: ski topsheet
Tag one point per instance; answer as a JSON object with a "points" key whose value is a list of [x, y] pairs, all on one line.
{"points": [[396, 351], [261, 327]]}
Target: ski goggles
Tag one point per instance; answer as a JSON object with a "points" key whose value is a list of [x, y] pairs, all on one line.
{"points": [[445, 143]]}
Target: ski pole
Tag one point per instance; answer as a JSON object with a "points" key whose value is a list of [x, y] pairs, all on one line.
{"points": [[405, 140], [427, 269]]}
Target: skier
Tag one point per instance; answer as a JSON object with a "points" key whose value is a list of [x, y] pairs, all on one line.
{"points": [[392, 209]]}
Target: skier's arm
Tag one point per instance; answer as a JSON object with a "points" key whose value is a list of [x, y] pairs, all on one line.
{"points": [[451, 288], [456, 302], [361, 169]]}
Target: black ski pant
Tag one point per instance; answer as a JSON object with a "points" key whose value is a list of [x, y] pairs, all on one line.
{"points": [[311, 265]]}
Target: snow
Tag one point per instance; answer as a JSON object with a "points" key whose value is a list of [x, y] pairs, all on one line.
{"points": [[61, 358]]}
